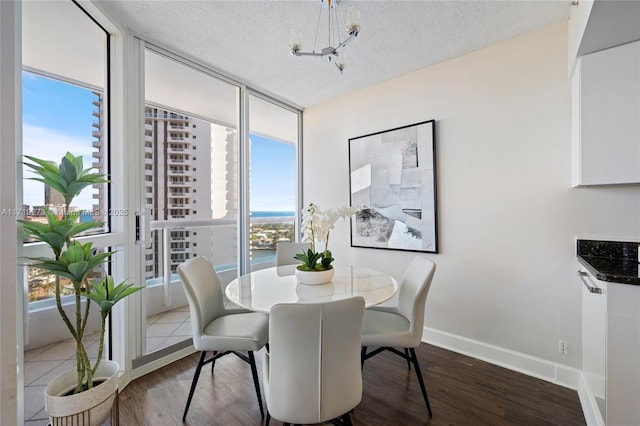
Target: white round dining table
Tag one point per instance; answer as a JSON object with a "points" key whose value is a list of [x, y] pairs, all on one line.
{"points": [[260, 290]]}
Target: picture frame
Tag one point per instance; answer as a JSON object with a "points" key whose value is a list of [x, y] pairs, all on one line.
{"points": [[392, 179]]}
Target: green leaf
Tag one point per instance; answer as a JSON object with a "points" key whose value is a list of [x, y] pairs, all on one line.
{"points": [[76, 187], [92, 177], [35, 227], [76, 161], [53, 267], [83, 226], [44, 164], [106, 295], [53, 240], [327, 258], [56, 231], [69, 178], [73, 254], [79, 270], [61, 187], [309, 259], [68, 168], [98, 258]]}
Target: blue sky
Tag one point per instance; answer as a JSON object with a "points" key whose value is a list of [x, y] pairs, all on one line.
{"points": [[56, 105], [273, 175], [57, 117]]}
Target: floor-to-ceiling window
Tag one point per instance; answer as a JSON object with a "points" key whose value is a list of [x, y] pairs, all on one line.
{"points": [[65, 109], [190, 187], [193, 186], [273, 167]]}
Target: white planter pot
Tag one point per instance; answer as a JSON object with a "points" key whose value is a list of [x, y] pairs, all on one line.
{"points": [[315, 277], [91, 407]]}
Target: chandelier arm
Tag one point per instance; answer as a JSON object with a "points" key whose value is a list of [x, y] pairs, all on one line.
{"points": [[352, 35], [300, 53], [327, 51]]}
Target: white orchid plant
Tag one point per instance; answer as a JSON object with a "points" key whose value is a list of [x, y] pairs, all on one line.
{"points": [[316, 227]]}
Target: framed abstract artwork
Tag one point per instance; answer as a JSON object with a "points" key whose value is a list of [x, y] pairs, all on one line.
{"points": [[393, 180]]}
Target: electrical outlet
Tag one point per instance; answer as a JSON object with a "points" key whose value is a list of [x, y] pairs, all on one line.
{"points": [[563, 347]]}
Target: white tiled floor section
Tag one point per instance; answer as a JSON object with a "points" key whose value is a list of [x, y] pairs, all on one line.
{"points": [[43, 364], [168, 328]]}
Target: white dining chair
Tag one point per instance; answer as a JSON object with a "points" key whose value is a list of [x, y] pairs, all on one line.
{"points": [[216, 328], [286, 251], [312, 371], [400, 326]]}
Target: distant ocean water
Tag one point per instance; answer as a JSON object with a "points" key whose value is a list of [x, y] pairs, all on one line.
{"points": [[271, 214]]}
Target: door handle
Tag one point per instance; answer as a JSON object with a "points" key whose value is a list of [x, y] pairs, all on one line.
{"points": [[592, 289]]}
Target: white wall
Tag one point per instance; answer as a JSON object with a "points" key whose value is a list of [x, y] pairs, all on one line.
{"points": [[507, 214]]}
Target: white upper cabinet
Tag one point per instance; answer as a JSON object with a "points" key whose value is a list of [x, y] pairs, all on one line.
{"points": [[606, 117], [596, 25], [578, 20]]}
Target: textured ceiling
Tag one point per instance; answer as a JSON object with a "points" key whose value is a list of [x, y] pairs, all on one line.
{"points": [[248, 40]]}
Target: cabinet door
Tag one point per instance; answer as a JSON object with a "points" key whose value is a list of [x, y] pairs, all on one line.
{"points": [[594, 320], [623, 354], [610, 116]]}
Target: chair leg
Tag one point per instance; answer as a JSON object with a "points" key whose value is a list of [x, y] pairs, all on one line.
{"points": [[213, 363], [363, 354], [406, 352], [254, 373], [344, 420], [347, 419], [268, 418], [194, 382], [419, 374]]}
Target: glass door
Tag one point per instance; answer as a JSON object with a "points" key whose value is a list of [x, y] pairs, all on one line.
{"points": [[190, 189]]}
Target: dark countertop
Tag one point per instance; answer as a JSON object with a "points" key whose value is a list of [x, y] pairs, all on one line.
{"points": [[611, 261]]}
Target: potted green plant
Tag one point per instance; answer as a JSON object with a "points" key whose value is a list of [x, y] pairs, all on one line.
{"points": [[73, 264], [317, 224]]}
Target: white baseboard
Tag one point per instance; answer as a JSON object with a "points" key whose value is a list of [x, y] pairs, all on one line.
{"points": [[161, 362], [590, 408], [559, 374]]}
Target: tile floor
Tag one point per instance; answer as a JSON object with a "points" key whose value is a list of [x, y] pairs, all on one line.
{"points": [[168, 328], [44, 363]]}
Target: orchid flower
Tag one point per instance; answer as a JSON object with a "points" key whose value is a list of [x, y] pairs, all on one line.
{"points": [[316, 227]]}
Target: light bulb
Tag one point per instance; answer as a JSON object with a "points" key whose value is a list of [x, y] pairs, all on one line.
{"points": [[295, 41], [352, 19], [341, 61]]}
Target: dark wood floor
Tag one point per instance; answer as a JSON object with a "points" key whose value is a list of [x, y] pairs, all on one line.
{"points": [[462, 391]]}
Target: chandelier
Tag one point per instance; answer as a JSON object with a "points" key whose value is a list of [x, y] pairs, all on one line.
{"points": [[333, 54]]}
